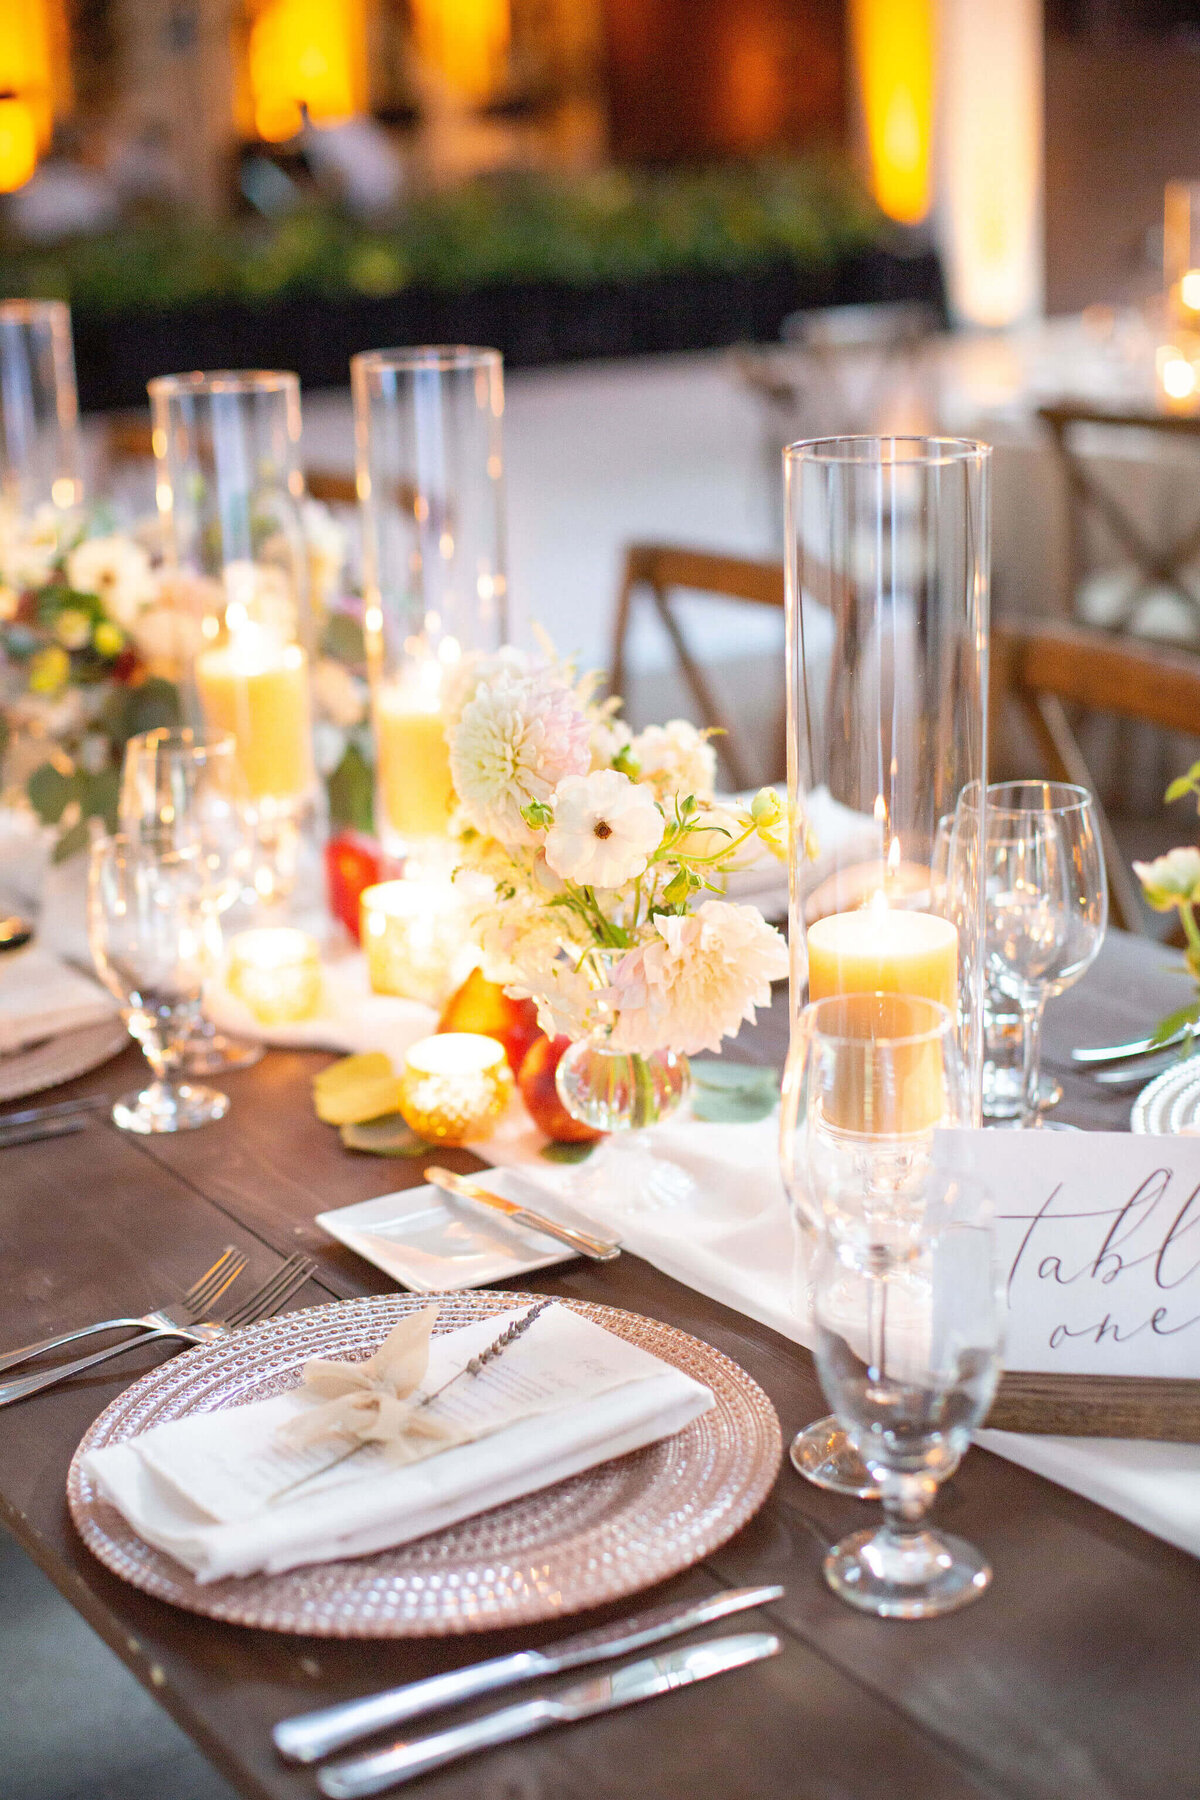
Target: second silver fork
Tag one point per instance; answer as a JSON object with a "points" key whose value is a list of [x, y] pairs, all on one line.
{"points": [[267, 1300]]}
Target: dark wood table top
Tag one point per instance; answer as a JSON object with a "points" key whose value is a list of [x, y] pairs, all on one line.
{"points": [[1075, 1678]]}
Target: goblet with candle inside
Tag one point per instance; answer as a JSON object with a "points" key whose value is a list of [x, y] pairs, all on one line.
{"points": [[276, 972], [415, 936]]}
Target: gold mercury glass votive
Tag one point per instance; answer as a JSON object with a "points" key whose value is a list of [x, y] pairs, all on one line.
{"points": [[455, 1086], [276, 971], [414, 936]]}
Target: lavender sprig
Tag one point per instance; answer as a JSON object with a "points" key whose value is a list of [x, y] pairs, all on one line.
{"points": [[496, 1348]]}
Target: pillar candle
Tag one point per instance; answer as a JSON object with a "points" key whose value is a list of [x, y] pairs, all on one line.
{"points": [[882, 949], [415, 788], [256, 688]]}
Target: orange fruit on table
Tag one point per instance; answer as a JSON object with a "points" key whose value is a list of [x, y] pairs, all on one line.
{"points": [[482, 1006], [536, 1082]]}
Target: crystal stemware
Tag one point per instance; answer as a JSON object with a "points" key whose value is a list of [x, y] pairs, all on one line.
{"points": [[153, 931], [869, 1078], [182, 790], [908, 1349]]}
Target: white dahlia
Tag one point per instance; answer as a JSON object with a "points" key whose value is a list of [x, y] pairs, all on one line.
{"points": [[605, 830], [117, 570], [515, 741], [675, 758], [703, 977]]}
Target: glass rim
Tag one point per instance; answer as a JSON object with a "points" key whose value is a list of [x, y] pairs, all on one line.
{"points": [[128, 846], [183, 737], [415, 358], [942, 1020], [1080, 796], [22, 310], [908, 451], [223, 381]]}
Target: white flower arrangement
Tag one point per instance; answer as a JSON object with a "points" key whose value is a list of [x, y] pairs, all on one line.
{"points": [[606, 855]]}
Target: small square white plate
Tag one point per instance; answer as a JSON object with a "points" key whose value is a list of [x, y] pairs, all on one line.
{"points": [[431, 1242]]}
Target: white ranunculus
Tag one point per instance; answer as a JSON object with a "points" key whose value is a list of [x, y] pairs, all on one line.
{"points": [[118, 571], [605, 830], [675, 758], [1171, 880], [704, 976]]}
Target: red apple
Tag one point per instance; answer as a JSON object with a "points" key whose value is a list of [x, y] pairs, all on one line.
{"points": [[536, 1082], [481, 1006]]}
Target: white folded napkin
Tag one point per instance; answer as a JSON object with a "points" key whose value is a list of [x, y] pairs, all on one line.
{"points": [[351, 1016], [208, 1489], [41, 997]]}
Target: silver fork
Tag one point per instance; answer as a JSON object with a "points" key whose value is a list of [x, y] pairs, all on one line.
{"points": [[264, 1303], [199, 1299]]}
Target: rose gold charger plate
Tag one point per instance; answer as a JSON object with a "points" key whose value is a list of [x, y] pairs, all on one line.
{"points": [[584, 1542]]}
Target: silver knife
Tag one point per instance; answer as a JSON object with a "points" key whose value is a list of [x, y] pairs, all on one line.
{"points": [[309, 1736], [1106, 1053], [582, 1242], [603, 1693], [41, 1128]]}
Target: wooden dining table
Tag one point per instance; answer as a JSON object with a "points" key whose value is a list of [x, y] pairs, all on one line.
{"points": [[1076, 1677]]}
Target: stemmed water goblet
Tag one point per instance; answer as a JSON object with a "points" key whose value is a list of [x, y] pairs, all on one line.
{"points": [[869, 1079], [1045, 901], [153, 932], [182, 790], [908, 1352]]}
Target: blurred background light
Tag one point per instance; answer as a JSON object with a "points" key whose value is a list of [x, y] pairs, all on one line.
{"points": [[894, 53]]}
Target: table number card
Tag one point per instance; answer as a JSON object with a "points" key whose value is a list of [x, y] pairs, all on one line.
{"points": [[1098, 1237]]}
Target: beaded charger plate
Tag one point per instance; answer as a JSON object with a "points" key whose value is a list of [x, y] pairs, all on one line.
{"points": [[591, 1539]]}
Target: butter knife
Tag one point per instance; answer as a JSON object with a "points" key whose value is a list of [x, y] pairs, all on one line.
{"points": [[309, 1736], [1107, 1053], [372, 1774], [599, 1249]]}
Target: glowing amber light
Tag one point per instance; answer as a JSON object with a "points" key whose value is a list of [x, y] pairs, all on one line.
{"points": [[894, 51], [1189, 290], [465, 41], [34, 81], [306, 53], [275, 970], [455, 1086], [18, 145]]}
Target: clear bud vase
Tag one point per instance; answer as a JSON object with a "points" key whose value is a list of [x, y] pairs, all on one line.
{"points": [[623, 1093]]}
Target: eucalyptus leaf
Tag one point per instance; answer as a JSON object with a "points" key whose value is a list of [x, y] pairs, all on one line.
{"points": [[352, 792], [385, 1136], [152, 705], [732, 1093], [71, 842], [567, 1153], [51, 792]]}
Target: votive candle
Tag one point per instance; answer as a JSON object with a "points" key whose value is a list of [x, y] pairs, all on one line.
{"points": [[275, 970], [455, 1086]]}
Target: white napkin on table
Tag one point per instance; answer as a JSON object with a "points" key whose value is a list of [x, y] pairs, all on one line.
{"points": [[566, 1396], [41, 997]]}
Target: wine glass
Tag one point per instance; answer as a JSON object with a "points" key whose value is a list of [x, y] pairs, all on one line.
{"points": [[1045, 902], [908, 1351], [153, 931], [181, 790], [869, 1078]]}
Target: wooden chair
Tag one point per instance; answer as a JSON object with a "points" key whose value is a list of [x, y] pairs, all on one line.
{"points": [[1045, 673], [1156, 567], [128, 439], [667, 570]]}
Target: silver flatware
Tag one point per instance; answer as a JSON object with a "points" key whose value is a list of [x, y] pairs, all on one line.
{"points": [[203, 1294], [374, 1773], [61, 1109], [1107, 1053], [599, 1249], [44, 1128], [262, 1304], [14, 932], [1135, 1077], [307, 1737]]}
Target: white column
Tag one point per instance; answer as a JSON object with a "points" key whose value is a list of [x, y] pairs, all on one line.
{"points": [[989, 214]]}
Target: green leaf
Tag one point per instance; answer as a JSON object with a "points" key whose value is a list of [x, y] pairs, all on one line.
{"points": [[71, 842], [1182, 784], [351, 790], [98, 795], [147, 708], [722, 1072], [1186, 1015], [386, 1136], [343, 639], [51, 792], [567, 1153]]}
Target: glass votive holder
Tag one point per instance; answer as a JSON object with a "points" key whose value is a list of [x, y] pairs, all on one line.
{"points": [[414, 933], [275, 971], [455, 1086]]}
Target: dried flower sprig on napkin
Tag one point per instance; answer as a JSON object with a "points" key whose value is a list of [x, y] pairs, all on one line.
{"points": [[379, 1401]]}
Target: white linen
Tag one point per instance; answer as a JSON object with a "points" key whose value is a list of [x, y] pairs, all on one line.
{"points": [[351, 1017], [41, 997], [734, 1242], [562, 1398]]}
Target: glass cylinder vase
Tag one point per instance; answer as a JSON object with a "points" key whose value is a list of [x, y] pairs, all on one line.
{"points": [[39, 437], [229, 488], [428, 435], [887, 621]]}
